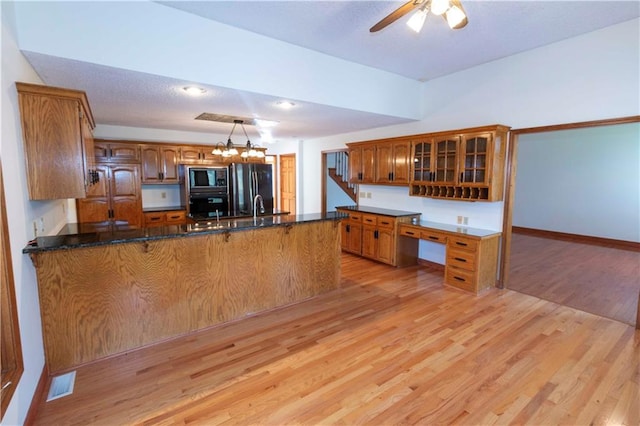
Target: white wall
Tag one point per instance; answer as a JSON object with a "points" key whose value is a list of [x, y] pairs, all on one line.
{"points": [[582, 181], [20, 214]]}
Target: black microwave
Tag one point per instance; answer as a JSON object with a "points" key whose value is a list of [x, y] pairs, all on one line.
{"points": [[203, 178]]}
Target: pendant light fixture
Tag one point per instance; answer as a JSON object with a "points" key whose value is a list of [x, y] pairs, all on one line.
{"points": [[230, 150]]}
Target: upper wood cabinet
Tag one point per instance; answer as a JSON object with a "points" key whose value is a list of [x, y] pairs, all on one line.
{"points": [[392, 162], [198, 155], [117, 196], [361, 163], [57, 129], [160, 163], [384, 162], [116, 152], [460, 165]]}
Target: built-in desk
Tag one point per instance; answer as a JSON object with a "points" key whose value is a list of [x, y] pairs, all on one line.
{"points": [[472, 254]]}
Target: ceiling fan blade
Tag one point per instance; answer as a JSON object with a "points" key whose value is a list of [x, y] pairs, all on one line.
{"points": [[396, 14], [462, 23]]}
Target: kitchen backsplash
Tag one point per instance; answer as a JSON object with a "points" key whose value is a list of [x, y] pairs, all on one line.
{"points": [[160, 196]]}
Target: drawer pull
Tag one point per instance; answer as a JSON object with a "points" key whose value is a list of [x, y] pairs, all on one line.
{"points": [[461, 244], [458, 278], [174, 217], [385, 223], [431, 237], [155, 218], [459, 259], [409, 233]]}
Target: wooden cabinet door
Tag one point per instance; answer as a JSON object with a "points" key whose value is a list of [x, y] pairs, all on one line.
{"points": [[88, 150], [355, 238], [423, 158], [190, 154], [126, 199], [150, 156], [124, 152], [368, 164], [400, 162], [169, 156], [369, 242], [384, 163], [446, 155], [385, 246], [475, 159], [208, 157], [355, 165], [95, 207]]}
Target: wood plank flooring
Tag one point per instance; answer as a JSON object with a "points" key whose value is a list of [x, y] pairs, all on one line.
{"points": [[392, 346], [601, 280]]}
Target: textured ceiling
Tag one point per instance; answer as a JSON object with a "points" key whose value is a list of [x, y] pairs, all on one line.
{"points": [[340, 29]]}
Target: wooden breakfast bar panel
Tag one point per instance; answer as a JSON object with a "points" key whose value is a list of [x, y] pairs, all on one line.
{"points": [[104, 300]]}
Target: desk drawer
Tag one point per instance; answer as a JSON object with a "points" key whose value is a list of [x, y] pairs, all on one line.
{"points": [[434, 236], [460, 278], [355, 217], [153, 219], [461, 259], [409, 232], [463, 243]]}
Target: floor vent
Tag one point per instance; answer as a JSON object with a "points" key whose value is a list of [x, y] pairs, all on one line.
{"points": [[61, 386]]}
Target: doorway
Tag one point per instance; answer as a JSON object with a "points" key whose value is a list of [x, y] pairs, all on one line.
{"points": [[572, 240]]}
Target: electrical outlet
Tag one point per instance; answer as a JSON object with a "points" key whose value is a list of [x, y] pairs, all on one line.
{"points": [[368, 195], [163, 195], [459, 220], [465, 220], [35, 229], [363, 194], [41, 224]]}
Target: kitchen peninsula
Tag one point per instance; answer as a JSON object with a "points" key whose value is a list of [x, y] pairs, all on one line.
{"points": [[106, 293]]}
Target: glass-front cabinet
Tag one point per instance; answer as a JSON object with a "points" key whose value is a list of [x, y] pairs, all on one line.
{"points": [[461, 165]]}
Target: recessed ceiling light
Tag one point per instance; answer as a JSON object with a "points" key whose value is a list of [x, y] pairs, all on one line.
{"points": [[285, 104], [194, 91]]}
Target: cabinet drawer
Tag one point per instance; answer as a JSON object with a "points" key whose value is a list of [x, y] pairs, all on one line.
{"points": [[176, 217], [408, 231], [369, 219], [463, 243], [461, 259], [355, 217], [386, 222], [460, 278], [154, 219], [433, 236]]}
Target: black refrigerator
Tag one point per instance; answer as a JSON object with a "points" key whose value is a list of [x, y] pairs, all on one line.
{"points": [[246, 180]]}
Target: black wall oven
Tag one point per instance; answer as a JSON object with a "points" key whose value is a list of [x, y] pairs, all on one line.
{"points": [[206, 192], [208, 205]]}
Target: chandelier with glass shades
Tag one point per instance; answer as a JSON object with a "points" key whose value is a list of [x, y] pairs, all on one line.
{"points": [[229, 150]]}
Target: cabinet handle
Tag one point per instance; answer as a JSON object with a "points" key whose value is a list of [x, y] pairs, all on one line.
{"points": [[459, 259], [384, 223], [459, 279], [432, 176], [375, 234], [110, 154], [392, 177], [461, 177], [461, 244], [431, 237], [409, 233]]}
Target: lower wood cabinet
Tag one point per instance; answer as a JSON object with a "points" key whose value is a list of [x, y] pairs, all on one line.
{"points": [[374, 236], [117, 196], [163, 218], [471, 261]]}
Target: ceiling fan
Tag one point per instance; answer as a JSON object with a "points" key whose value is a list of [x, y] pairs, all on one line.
{"points": [[450, 10]]}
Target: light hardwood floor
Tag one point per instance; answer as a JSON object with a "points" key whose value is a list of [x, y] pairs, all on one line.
{"points": [[602, 280], [393, 346]]}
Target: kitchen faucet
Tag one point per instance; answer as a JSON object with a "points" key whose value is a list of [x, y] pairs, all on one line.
{"points": [[255, 205]]}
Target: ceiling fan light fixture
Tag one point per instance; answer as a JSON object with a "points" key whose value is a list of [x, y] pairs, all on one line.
{"points": [[438, 7], [455, 16], [417, 19]]}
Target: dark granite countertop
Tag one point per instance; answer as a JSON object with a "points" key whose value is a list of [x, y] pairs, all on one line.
{"points": [[376, 210], [119, 236], [162, 209]]}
